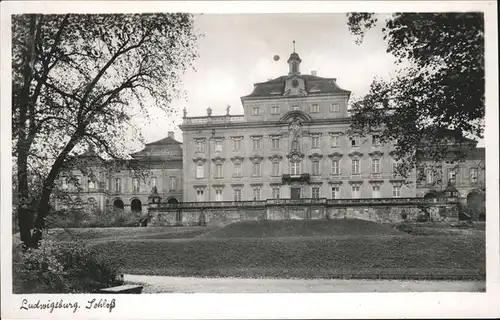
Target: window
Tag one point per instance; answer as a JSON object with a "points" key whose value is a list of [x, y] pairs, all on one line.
{"points": [[276, 192], [335, 193], [200, 146], [451, 175], [315, 167], [256, 169], [394, 166], [429, 177], [295, 107], [473, 175], [237, 194], [118, 184], [396, 191], [315, 141], [376, 191], [315, 192], [355, 192], [335, 166], [294, 67], [314, 108], [172, 183], [335, 107], [236, 144], [335, 140], [257, 144], [275, 110], [375, 140], [218, 146], [295, 168], [237, 169], [199, 195], [200, 171], [256, 193], [255, 111], [218, 171], [275, 143], [218, 194], [275, 168], [135, 185], [376, 166], [91, 184], [355, 142], [355, 166]]}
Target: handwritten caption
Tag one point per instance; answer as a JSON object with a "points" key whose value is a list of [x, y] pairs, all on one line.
{"points": [[62, 304]]}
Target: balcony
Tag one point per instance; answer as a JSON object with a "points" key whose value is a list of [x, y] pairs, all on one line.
{"points": [[288, 178]]}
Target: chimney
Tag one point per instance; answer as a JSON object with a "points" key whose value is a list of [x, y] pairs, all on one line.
{"points": [[313, 73], [171, 134]]}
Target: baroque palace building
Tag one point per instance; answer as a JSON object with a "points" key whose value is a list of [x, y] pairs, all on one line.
{"points": [[106, 185], [289, 143]]}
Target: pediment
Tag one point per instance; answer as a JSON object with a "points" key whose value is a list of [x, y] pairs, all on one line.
{"points": [[256, 158], [199, 160], [315, 155], [335, 155], [355, 154]]}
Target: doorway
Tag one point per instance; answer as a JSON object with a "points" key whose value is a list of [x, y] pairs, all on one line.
{"points": [[295, 193]]}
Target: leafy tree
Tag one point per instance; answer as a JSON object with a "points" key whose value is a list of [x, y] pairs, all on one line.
{"points": [[77, 82], [437, 97]]}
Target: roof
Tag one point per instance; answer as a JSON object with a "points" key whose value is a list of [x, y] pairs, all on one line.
{"points": [[313, 84], [166, 148], [164, 141]]}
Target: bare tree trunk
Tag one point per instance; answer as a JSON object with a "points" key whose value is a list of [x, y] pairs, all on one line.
{"points": [[43, 208], [25, 218]]}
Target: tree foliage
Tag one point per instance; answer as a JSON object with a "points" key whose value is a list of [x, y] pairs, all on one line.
{"points": [[77, 82], [437, 97]]}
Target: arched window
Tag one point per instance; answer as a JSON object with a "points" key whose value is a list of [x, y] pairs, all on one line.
{"points": [[136, 205], [118, 204]]}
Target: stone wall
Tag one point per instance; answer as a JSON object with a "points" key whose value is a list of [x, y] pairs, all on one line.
{"points": [[378, 210]]}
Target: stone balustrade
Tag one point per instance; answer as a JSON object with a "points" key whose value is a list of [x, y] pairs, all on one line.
{"points": [[307, 202], [214, 120]]}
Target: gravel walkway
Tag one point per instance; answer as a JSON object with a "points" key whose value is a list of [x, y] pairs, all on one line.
{"points": [[163, 284]]}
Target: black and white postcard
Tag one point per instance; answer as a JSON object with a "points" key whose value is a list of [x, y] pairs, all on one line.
{"points": [[243, 159]]}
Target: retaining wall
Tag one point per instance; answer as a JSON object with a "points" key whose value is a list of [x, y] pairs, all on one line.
{"points": [[378, 210]]}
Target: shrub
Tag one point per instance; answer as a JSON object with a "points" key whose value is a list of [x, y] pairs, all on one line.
{"points": [[422, 218], [64, 268], [404, 215]]}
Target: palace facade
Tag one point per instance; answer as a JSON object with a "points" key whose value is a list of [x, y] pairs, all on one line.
{"points": [[289, 143]]}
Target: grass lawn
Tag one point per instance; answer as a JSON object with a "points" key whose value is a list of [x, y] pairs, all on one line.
{"points": [[305, 249], [292, 249], [93, 234], [300, 228]]}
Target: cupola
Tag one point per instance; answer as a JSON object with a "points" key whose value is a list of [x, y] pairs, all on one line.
{"points": [[294, 62]]}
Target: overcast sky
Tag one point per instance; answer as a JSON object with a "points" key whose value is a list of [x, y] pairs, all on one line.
{"points": [[237, 51]]}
